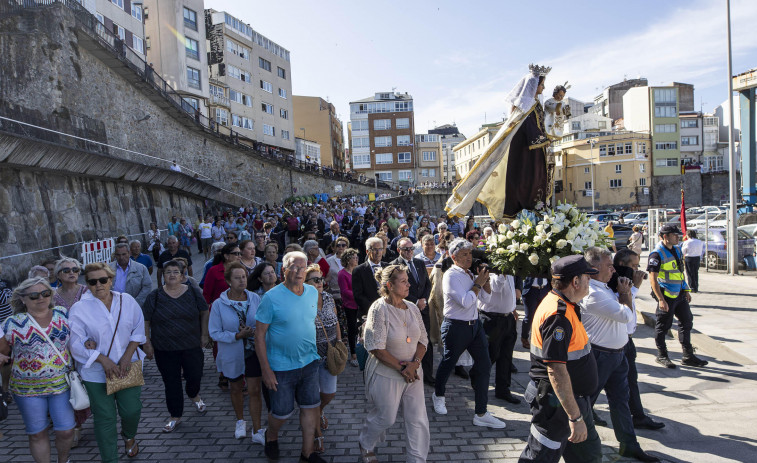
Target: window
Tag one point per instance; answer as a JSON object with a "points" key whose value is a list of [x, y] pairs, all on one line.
{"points": [[359, 125], [664, 95], [429, 156], [119, 31], [384, 158], [285, 134], [629, 148], [575, 125], [283, 113], [269, 130], [665, 128], [689, 141], [619, 149], [665, 111], [587, 185], [689, 124], [360, 142], [428, 173], [616, 183], [618, 168], [267, 108], [234, 95], [100, 18], [138, 44], [403, 140], [282, 72], [587, 170], [190, 19], [642, 168], [603, 150], [385, 176], [239, 50], [136, 11], [283, 93], [405, 175], [239, 74], [266, 86], [215, 90], [403, 123], [667, 162], [193, 48], [611, 150], [193, 77], [667, 145], [602, 125], [382, 141], [241, 121], [119, 3], [264, 64], [643, 181], [403, 158], [361, 160], [382, 124], [222, 116], [641, 148], [194, 103]]}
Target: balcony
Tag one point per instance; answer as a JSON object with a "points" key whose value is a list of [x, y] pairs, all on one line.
{"points": [[216, 100]]}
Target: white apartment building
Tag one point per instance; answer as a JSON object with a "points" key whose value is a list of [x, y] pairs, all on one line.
{"points": [[124, 18], [589, 122], [468, 152], [691, 125], [307, 150], [250, 82], [450, 137]]}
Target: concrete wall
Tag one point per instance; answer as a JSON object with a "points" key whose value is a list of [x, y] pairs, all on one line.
{"points": [[701, 189]]}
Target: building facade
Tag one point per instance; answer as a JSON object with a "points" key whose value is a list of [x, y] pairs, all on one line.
{"points": [[610, 103], [175, 46], [428, 152], [692, 137], [307, 151], [450, 138], [382, 132], [466, 153], [316, 119], [587, 122], [125, 18], [250, 81]]}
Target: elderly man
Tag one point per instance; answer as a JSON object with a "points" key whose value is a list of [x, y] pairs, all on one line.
{"points": [[131, 276], [135, 248], [605, 316], [285, 345], [404, 232], [330, 237], [462, 330], [364, 286], [172, 251]]}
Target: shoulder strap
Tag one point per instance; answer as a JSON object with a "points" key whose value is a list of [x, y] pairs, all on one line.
{"points": [[561, 306], [118, 322], [42, 332]]}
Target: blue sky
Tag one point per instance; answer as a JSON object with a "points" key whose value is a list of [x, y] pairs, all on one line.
{"points": [[459, 59]]}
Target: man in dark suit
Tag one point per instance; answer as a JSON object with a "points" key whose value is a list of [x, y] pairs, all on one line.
{"points": [[420, 290], [364, 285], [329, 238], [534, 290]]}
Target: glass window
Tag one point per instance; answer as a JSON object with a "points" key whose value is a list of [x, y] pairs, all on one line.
{"points": [[689, 123], [642, 168], [403, 158], [138, 44], [190, 19], [267, 108], [359, 125], [405, 175], [266, 86], [222, 116], [643, 181], [403, 123], [269, 130], [403, 140], [283, 93], [136, 11], [360, 142], [689, 141], [193, 48], [665, 128], [587, 185], [616, 183], [668, 145], [429, 155], [610, 150], [119, 3], [282, 72], [285, 134], [384, 158], [283, 113], [629, 148], [618, 168], [382, 124], [603, 150], [575, 125], [587, 170], [264, 64], [382, 141], [361, 160], [193, 77]]}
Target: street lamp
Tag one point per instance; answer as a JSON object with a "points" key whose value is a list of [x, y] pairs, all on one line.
{"points": [[591, 167]]}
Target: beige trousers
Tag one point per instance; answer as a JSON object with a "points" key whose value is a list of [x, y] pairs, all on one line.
{"points": [[385, 395]]}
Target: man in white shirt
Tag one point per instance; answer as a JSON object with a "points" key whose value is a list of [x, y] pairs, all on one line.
{"points": [[500, 321], [206, 236], [605, 317], [462, 330], [692, 254]]}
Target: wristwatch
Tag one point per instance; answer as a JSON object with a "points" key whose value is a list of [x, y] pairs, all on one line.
{"points": [[417, 360], [580, 418], [476, 285]]}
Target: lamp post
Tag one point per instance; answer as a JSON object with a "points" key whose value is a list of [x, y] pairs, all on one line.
{"points": [[591, 167], [733, 249]]}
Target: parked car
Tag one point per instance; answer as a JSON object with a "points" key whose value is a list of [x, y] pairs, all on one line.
{"points": [[702, 219], [750, 230], [622, 233], [604, 218], [715, 253], [636, 218]]}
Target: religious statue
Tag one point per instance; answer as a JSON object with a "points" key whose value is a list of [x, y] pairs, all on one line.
{"points": [[556, 112], [513, 173]]}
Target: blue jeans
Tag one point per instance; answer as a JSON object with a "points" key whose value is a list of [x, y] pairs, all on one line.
{"points": [[457, 337], [612, 376], [300, 384], [34, 411]]}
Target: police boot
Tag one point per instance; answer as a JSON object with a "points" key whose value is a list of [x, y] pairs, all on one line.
{"points": [[663, 359], [691, 360]]}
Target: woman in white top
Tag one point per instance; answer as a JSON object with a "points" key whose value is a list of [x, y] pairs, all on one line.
{"points": [[335, 266], [114, 321], [636, 240], [396, 339]]}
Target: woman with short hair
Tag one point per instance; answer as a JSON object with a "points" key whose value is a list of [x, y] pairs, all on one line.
{"points": [[215, 283], [38, 375], [334, 260], [271, 256], [262, 279], [114, 321], [248, 259], [311, 249]]}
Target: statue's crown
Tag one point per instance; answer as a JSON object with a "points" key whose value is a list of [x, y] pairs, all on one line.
{"points": [[539, 70]]}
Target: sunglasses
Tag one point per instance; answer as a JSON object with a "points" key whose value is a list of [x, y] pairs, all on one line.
{"points": [[405, 249], [101, 280], [70, 270], [36, 295], [341, 245], [316, 280]]}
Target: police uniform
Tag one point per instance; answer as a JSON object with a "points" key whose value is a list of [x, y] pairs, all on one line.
{"points": [[559, 336]]}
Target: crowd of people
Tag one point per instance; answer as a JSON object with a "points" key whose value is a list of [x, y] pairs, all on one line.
{"points": [[282, 285]]}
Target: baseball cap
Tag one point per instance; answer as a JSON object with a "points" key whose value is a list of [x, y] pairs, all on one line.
{"points": [[668, 228], [571, 266]]}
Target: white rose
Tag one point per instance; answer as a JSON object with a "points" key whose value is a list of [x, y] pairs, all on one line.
{"points": [[533, 258], [515, 224], [503, 238], [557, 228], [561, 244], [538, 239], [524, 246], [510, 234], [502, 228], [571, 234], [539, 228]]}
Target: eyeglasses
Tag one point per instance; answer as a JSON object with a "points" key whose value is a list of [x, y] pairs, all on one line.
{"points": [[316, 280], [68, 270], [297, 269], [406, 248], [36, 295], [236, 253], [101, 280]]}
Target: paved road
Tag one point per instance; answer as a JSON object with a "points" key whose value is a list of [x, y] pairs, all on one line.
{"points": [[710, 412]]}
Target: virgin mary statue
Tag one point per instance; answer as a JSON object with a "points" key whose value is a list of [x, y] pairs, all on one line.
{"points": [[513, 173]]}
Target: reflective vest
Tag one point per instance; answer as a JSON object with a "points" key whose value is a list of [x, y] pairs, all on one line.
{"points": [[551, 304], [671, 277]]}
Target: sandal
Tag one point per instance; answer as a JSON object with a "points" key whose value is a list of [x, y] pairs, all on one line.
{"points": [[367, 457], [324, 422], [318, 446], [171, 425], [133, 449]]}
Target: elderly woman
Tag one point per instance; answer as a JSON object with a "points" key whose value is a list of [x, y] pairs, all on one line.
{"points": [[311, 249], [176, 328], [248, 259], [430, 256], [396, 339], [349, 306], [262, 279], [114, 321], [272, 256], [38, 271], [215, 283], [326, 332], [335, 266], [38, 381]]}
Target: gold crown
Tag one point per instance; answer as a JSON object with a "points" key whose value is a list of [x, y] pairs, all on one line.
{"points": [[539, 70]]}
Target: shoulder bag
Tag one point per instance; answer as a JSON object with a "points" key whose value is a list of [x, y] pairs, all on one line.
{"points": [[134, 376], [78, 397], [336, 355]]}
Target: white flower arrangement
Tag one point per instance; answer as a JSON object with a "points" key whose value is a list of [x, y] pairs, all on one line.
{"points": [[536, 239]]}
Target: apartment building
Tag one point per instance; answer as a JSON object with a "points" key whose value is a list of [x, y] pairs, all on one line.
{"points": [[175, 45], [450, 137], [466, 153], [250, 81], [307, 151], [428, 152], [382, 132], [125, 18], [316, 119], [692, 137], [587, 122], [609, 103]]}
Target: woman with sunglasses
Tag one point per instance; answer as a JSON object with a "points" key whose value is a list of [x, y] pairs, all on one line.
{"points": [[38, 381], [326, 319], [66, 295], [114, 321]]}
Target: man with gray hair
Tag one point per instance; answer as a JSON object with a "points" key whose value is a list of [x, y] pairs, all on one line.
{"points": [[462, 330], [172, 251], [364, 286], [605, 315], [135, 247], [132, 277]]}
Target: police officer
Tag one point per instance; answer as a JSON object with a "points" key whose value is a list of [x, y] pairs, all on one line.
{"points": [[673, 296], [563, 372]]}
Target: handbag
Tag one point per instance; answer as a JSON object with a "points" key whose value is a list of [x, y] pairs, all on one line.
{"points": [[78, 396], [336, 355], [134, 376]]}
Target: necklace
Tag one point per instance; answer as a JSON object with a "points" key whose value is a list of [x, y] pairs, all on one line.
{"points": [[407, 330], [68, 301]]}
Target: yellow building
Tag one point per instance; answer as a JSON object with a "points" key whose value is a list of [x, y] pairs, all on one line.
{"points": [[468, 152], [620, 165], [316, 119]]}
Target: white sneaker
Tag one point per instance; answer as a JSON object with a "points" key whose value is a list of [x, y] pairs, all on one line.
{"points": [[439, 404], [241, 430], [488, 421], [259, 437]]}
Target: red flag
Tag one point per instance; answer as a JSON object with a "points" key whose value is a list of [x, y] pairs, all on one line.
{"points": [[683, 215]]}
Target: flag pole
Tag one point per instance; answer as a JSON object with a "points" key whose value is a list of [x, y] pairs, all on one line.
{"points": [[733, 248]]}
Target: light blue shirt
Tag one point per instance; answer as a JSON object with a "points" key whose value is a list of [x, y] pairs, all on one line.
{"points": [[119, 283], [290, 340]]}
